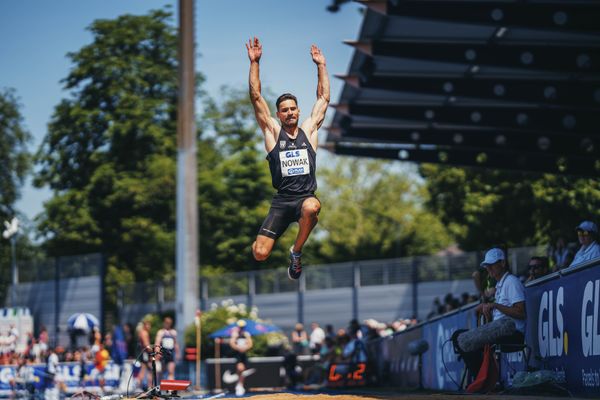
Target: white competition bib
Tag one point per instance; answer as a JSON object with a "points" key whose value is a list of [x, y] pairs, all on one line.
{"points": [[294, 162], [168, 343]]}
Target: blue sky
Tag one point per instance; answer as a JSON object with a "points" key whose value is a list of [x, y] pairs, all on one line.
{"points": [[35, 37]]}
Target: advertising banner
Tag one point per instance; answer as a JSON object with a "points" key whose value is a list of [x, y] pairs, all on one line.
{"points": [[563, 328], [68, 378], [403, 367], [261, 372], [441, 367]]}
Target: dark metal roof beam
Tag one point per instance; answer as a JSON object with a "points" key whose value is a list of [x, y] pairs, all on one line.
{"points": [[573, 59], [575, 120], [496, 160], [555, 92], [586, 146], [582, 16]]}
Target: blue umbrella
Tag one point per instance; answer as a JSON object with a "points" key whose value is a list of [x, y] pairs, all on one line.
{"points": [[252, 327], [82, 321]]}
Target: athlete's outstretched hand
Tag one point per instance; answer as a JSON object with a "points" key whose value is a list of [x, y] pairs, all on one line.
{"points": [[317, 55], [254, 49]]}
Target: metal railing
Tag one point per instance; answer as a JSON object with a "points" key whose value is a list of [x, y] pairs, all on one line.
{"points": [[66, 266], [329, 276]]}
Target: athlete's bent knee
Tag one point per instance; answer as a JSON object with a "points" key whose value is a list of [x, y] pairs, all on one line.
{"points": [[311, 207]]}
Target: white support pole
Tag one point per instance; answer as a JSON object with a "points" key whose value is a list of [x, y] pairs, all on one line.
{"points": [[187, 204]]}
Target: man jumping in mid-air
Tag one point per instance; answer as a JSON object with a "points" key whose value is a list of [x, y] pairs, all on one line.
{"points": [[291, 152]]}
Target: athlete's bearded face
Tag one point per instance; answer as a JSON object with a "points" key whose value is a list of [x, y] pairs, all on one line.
{"points": [[288, 113]]}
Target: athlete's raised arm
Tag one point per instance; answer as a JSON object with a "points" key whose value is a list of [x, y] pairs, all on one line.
{"points": [[268, 124], [317, 115]]}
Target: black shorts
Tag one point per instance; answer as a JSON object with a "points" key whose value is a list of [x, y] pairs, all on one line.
{"points": [[167, 357], [241, 357], [284, 210]]}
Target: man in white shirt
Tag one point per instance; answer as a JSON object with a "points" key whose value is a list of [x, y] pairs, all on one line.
{"points": [[506, 313], [587, 233], [317, 336]]}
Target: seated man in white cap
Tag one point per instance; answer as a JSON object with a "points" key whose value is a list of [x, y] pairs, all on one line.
{"points": [[506, 313], [587, 233]]}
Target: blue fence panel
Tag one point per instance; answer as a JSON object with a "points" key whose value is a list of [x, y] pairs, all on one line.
{"points": [[441, 367], [563, 327]]}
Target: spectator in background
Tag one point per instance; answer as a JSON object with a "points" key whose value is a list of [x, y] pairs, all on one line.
{"points": [[129, 339], [354, 351], [327, 353], [167, 339], [143, 334], [241, 343], [329, 332], [13, 339], [560, 255], [467, 298], [101, 358], [450, 303], [537, 267], [587, 233], [118, 350], [50, 390], [299, 339], [435, 308], [95, 340], [354, 328], [80, 356], [43, 340], [507, 314], [317, 336], [24, 378]]}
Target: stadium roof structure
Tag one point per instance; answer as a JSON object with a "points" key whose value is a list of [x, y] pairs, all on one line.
{"points": [[503, 84]]}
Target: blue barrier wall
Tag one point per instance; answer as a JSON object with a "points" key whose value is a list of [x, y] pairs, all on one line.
{"points": [[67, 376], [441, 368], [563, 326], [563, 333]]}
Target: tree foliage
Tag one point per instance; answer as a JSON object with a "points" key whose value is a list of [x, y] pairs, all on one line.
{"points": [[14, 166], [13, 151], [482, 207], [109, 154], [374, 209]]}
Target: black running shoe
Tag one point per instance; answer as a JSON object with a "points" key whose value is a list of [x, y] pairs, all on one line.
{"points": [[295, 268]]}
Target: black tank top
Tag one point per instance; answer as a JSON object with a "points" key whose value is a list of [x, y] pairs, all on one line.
{"points": [[293, 163]]}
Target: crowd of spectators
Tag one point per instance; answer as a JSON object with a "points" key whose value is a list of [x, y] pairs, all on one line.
{"points": [[450, 303], [91, 350], [304, 343], [559, 256], [344, 345]]}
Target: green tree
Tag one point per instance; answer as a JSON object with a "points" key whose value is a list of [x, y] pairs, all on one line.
{"points": [[374, 209], [109, 154], [234, 184], [13, 152], [14, 167], [483, 207]]}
